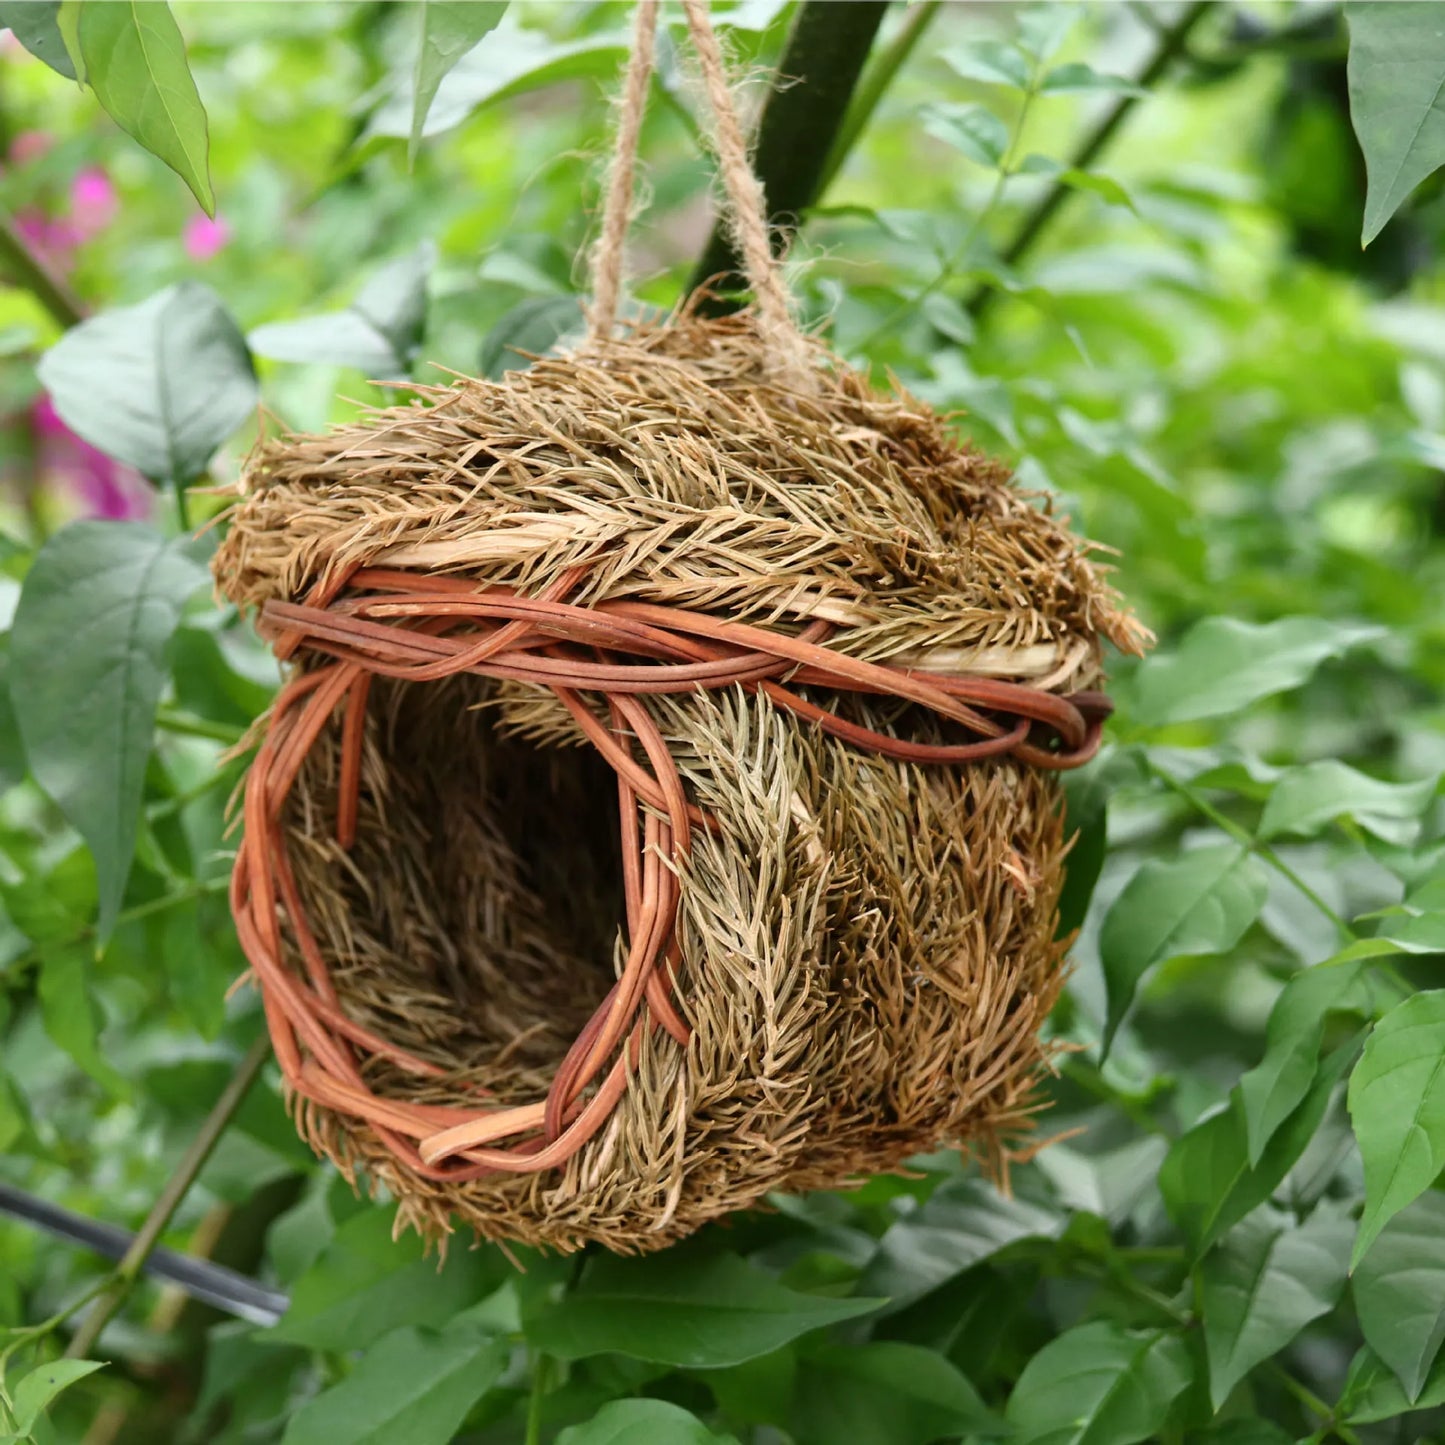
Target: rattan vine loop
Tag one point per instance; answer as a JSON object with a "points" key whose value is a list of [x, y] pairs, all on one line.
{"points": [[394, 624]]}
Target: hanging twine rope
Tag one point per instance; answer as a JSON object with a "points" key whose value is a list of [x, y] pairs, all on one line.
{"points": [[745, 204], [607, 256]]}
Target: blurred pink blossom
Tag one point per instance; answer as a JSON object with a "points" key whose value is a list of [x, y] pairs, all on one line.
{"points": [[93, 202], [30, 145], [203, 236], [100, 485]]}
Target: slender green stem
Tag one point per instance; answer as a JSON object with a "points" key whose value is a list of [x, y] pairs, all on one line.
{"points": [[1087, 1077], [181, 800], [541, 1383], [961, 252], [122, 1279], [1245, 838], [1311, 1401], [1172, 43], [133, 914], [29, 270], [872, 88], [30, 1333], [186, 724]]}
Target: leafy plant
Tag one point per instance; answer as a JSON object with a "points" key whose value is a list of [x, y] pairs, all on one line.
{"points": [[1080, 227]]}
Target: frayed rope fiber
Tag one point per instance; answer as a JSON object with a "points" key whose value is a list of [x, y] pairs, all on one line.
{"points": [[662, 807]]}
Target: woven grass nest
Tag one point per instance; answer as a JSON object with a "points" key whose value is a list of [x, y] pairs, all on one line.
{"points": [[561, 958]]}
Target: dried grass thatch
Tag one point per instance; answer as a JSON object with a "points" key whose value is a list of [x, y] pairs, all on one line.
{"points": [[854, 951]]}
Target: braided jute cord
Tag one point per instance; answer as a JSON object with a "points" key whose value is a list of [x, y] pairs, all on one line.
{"points": [[600, 661], [745, 209]]}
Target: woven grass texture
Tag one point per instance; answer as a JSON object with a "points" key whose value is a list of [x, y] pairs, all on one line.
{"points": [[557, 953]]}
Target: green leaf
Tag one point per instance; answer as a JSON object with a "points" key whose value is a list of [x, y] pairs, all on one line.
{"points": [[886, 1393], [15, 1122], [34, 1391], [1201, 902], [1372, 1392], [159, 385], [1263, 1283], [1272, 1090], [1223, 665], [1206, 1179], [1078, 76], [447, 29], [994, 62], [1418, 924], [1087, 792], [1109, 1183], [1308, 799], [514, 61], [973, 130], [135, 61], [413, 1385], [1397, 100], [703, 1312], [71, 1016], [1044, 27], [56, 906], [12, 746], [197, 945], [642, 1422], [380, 333], [1106, 187], [1098, 1385], [36, 25], [1399, 1292], [1243, 1432], [531, 328], [1397, 1107], [105, 596], [366, 1283], [964, 1222]]}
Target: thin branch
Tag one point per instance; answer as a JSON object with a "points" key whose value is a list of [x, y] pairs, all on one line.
{"points": [[27, 268], [1248, 840], [822, 61], [177, 1187], [1172, 42]]}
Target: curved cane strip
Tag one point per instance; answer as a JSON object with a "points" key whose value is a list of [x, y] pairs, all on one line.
{"points": [[417, 629]]}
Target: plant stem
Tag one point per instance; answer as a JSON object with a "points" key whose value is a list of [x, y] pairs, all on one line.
{"points": [[26, 1335], [823, 59], [29, 270], [186, 724], [1088, 1077], [872, 88], [1311, 1401], [123, 1277], [541, 1379], [39, 952], [1242, 835], [960, 252], [1172, 42]]}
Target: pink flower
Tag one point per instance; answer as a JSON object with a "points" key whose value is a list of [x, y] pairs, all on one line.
{"points": [[100, 485], [93, 202], [203, 237], [30, 145]]}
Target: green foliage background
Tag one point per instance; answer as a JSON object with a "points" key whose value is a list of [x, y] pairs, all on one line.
{"points": [[1239, 1236]]}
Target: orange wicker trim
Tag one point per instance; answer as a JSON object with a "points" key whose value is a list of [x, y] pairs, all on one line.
{"points": [[416, 628]]}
